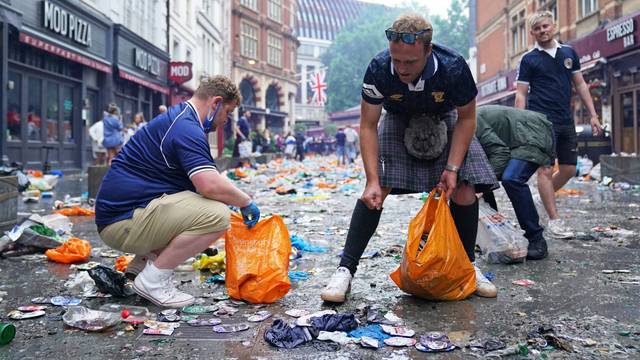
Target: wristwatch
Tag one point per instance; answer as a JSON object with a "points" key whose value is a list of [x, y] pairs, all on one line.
{"points": [[452, 168]]}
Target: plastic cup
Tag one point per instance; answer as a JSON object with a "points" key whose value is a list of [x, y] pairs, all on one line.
{"points": [[7, 333]]}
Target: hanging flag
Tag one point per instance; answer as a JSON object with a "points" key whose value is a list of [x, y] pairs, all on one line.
{"points": [[319, 88]]}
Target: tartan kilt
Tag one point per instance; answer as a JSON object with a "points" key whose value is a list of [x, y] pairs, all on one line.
{"points": [[405, 174]]}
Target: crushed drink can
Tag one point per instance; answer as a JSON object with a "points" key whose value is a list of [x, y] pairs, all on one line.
{"points": [[400, 341], [65, 301], [259, 316], [224, 329], [398, 331], [204, 322]]}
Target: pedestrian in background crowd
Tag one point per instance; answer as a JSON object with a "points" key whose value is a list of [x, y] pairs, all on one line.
{"points": [[162, 109], [96, 133], [113, 137], [341, 139], [350, 143], [545, 76], [242, 130]]}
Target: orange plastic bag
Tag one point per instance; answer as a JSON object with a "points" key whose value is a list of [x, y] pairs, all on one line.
{"points": [[74, 250], [258, 260], [75, 211], [122, 262], [441, 270]]}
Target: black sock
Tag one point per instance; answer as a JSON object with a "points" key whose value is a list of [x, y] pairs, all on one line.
{"points": [[490, 199], [466, 219], [364, 223]]}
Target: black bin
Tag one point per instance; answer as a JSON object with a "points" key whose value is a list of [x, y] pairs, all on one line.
{"points": [[592, 146]]}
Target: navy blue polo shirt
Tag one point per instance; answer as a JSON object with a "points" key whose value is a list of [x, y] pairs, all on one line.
{"points": [[159, 159], [550, 81], [446, 83]]}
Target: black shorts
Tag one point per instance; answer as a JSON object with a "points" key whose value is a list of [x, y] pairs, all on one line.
{"points": [[565, 142]]}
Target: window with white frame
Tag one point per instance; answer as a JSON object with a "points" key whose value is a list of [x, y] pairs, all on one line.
{"points": [[275, 10], [274, 51], [249, 41], [251, 4], [550, 5], [587, 7], [518, 33]]}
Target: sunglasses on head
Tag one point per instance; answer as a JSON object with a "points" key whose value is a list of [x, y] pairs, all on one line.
{"points": [[407, 38]]}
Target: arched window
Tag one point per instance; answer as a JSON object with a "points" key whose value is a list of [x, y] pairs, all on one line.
{"points": [[248, 95], [273, 100]]}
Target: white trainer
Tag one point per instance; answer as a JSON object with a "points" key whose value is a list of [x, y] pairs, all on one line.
{"points": [[484, 287], [338, 286], [156, 286], [137, 264], [559, 230]]}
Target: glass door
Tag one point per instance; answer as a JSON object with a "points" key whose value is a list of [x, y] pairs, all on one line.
{"points": [[630, 112]]}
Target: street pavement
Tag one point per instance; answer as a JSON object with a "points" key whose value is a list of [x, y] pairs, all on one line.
{"points": [[593, 313]]}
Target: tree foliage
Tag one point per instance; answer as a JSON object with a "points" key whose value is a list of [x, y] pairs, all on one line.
{"points": [[360, 40], [330, 129], [453, 31]]}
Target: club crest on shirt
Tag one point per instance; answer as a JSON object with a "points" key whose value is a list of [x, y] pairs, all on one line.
{"points": [[396, 97], [438, 96], [568, 63]]}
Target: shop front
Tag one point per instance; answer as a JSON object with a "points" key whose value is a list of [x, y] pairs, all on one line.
{"points": [[610, 58], [57, 69], [499, 90], [140, 78]]}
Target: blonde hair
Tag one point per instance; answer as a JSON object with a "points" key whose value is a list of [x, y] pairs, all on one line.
{"points": [[218, 86], [112, 109], [413, 23], [538, 16]]}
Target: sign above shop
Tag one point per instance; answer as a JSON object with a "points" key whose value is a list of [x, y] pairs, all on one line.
{"points": [[145, 61], [65, 23], [494, 86], [617, 37], [180, 71]]}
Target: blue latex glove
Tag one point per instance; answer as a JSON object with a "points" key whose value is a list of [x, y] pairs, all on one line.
{"points": [[250, 214]]}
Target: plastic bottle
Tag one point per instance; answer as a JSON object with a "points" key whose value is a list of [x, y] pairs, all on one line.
{"points": [[7, 333]]}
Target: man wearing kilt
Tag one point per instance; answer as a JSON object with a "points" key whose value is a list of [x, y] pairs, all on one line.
{"points": [[426, 139]]}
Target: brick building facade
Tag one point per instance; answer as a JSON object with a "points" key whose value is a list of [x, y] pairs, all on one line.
{"points": [[605, 33]]}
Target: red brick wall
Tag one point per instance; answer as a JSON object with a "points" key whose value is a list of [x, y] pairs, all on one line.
{"points": [[487, 9], [492, 52]]}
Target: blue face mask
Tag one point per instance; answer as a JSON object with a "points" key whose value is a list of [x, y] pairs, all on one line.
{"points": [[208, 122]]}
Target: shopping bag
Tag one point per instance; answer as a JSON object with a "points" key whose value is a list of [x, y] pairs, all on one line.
{"points": [[74, 250], [244, 148], [440, 270], [257, 267], [500, 240]]}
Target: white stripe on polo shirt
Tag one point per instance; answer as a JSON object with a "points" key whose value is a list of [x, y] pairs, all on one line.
{"points": [[165, 135], [199, 169]]}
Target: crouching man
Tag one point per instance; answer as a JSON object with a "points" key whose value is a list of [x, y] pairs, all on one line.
{"points": [[163, 198], [517, 143]]}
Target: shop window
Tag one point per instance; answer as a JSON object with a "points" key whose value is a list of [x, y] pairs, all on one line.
{"points": [[248, 95], [14, 106], [275, 50], [249, 39], [305, 49], [34, 108], [275, 10], [52, 111], [67, 113], [587, 7]]}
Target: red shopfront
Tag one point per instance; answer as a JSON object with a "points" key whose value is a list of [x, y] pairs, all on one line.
{"points": [[610, 58]]}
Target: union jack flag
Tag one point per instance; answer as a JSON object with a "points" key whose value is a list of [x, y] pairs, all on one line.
{"points": [[318, 87]]}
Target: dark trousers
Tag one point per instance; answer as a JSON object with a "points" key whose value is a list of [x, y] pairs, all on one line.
{"points": [[514, 181]]}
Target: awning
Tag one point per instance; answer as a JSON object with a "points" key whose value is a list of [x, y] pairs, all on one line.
{"points": [[153, 86], [495, 97], [62, 52], [589, 65]]}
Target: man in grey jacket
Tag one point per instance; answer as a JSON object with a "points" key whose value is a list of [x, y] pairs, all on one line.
{"points": [[517, 142]]}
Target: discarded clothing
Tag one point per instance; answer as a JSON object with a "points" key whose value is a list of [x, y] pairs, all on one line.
{"points": [[281, 335], [371, 331], [334, 322]]}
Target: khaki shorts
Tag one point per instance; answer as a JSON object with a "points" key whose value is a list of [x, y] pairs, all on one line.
{"points": [[163, 219]]}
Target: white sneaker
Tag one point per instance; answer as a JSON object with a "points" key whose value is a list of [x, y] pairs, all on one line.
{"points": [[484, 287], [338, 286], [137, 264], [559, 230], [156, 286]]}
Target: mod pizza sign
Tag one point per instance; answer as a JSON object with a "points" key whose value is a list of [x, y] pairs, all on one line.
{"points": [[180, 71]]}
